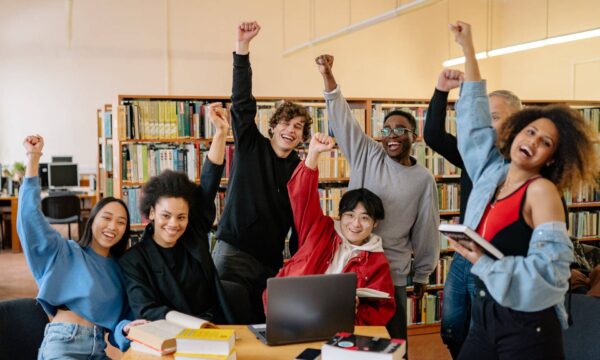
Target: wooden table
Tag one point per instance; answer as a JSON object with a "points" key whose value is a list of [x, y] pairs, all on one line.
{"points": [[248, 347], [14, 205]]}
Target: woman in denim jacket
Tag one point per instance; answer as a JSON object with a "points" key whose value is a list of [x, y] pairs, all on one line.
{"points": [[518, 310]]}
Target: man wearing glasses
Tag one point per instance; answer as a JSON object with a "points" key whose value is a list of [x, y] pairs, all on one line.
{"points": [[407, 190]]}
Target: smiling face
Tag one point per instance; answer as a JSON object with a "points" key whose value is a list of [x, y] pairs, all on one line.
{"points": [[398, 146], [286, 135], [170, 216], [108, 227], [535, 145], [357, 225]]}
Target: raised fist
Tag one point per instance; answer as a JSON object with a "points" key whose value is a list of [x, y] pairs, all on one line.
{"points": [[324, 63], [247, 31], [320, 142], [449, 79], [218, 116], [462, 33], [34, 144]]}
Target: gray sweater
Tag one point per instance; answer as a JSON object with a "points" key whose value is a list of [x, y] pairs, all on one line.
{"points": [[408, 193]]}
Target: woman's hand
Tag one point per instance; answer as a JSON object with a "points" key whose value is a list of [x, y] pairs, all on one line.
{"points": [[34, 144], [219, 117], [132, 324], [472, 253]]}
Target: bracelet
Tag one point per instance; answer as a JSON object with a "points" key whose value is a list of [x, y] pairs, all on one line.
{"points": [[34, 152]]}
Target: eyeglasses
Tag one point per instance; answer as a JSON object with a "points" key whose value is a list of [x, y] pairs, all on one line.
{"points": [[387, 131], [364, 219]]}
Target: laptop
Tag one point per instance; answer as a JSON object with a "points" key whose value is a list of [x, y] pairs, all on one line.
{"points": [[307, 308]]}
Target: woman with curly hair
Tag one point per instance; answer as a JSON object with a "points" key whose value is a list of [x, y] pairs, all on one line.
{"points": [[171, 268], [515, 204]]}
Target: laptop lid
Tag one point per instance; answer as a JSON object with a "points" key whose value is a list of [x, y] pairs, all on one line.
{"points": [[309, 308]]}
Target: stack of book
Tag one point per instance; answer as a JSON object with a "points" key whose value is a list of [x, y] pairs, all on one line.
{"points": [[195, 344]]}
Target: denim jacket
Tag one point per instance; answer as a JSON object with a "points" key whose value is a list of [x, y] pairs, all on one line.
{"points": [[538, 280]]}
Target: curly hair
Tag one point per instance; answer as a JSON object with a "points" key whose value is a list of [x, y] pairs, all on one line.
{"points": [[86, 237], [286, 112], [168, 184], [575, 161]]}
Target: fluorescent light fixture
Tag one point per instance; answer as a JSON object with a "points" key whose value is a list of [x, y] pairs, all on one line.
{"points": [[527, 46], [461, 60]]}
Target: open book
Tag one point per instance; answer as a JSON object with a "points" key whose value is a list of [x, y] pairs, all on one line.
{"points": [[158, 337], [372, 293], [461, 232]]}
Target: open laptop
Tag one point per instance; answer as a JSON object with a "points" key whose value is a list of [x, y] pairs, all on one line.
{"points": [[307, 308]]}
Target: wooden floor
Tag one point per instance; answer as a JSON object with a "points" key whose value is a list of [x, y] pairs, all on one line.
{"points": [[16, 282]]}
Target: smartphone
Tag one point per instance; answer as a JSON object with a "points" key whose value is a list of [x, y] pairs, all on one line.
{"points": [[309, 354]]}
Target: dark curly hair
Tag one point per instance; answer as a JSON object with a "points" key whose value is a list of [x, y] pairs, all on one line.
{"points": [[370, 201], [169, 184], [575, 161], [86, 237], [405, 114], [286, 112]]}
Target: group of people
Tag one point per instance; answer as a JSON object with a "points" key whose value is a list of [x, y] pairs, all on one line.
{"points": [[513, 166]]}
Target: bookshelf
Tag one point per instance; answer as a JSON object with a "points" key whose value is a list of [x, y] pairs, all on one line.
{"points": [[149, 128], [104, 173]]}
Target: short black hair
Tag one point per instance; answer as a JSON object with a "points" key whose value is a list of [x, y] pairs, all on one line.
{"points": [[168, 184], [370, 201], [411, 119], [86, 237]]}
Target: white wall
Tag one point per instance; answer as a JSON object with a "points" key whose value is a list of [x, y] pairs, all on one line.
{"points": [[183, 47]]}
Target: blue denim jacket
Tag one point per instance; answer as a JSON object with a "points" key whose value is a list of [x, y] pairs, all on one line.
{"points": [[540, 279]]}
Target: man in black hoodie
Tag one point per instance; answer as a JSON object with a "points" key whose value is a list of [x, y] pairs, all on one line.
{"points": [[257, 215]]}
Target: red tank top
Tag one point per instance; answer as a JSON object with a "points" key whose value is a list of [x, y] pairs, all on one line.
{"points": [[503, 212]]}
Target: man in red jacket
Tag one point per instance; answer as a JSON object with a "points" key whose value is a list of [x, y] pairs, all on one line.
{"points": [[329, 247]]}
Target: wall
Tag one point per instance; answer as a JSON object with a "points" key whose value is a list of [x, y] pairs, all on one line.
{"points": [[53, 84]]}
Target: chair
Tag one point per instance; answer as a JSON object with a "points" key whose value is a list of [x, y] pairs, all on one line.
{"points": [[581, 338], [22, 323], [62, 208]]}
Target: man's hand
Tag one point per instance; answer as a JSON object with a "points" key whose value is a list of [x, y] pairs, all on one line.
{"points": [[419, 290], [218, 116], [34, 144], [449, 79], [463, 36], [320, 142], [246, 31], [324, 64]]}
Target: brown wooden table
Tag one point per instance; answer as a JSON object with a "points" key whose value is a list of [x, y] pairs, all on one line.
{"points": [[87, 201], [248, 347]]}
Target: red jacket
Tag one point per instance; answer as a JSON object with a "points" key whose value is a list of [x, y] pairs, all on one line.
{"points": [[318, 241]]}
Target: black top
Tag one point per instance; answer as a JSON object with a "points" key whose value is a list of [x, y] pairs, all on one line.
{"points": [[160, 280], [445, 144], [257, 214]]}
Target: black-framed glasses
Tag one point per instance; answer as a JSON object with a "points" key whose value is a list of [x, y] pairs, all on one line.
{"points": [[387, 131]]}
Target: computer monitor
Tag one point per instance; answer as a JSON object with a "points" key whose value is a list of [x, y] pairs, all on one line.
{"points": [[62, 175], [43, 172]]}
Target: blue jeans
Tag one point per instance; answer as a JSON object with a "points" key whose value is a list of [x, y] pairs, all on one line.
{"points": [[72, 341], [459, 292]]}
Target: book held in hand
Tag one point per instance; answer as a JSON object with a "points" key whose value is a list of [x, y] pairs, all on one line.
{"points": [[372, 293], [158, 337], [461, 232], [346, 346]]}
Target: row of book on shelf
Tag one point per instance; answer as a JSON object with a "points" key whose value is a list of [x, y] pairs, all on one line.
{"points": [[584, 224]]}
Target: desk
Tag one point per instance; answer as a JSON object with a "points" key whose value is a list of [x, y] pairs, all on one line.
{"points": [[248, 347], [14, 203]]}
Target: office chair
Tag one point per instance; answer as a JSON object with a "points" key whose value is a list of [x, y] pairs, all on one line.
{"points": [[22, 324], [62, 208]]}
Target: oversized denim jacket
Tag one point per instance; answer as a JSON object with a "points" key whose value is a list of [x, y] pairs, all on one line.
{"points": [[540, 279]]}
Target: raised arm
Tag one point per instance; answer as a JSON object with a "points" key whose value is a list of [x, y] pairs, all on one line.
{"points": [[476, 137], [434, 132], [212, 169], [304, 192], [243, 104], [352, 140], [40, 241]]}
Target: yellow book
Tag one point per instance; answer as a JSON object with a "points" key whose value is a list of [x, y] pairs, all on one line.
{"points": [[206, 341]]}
